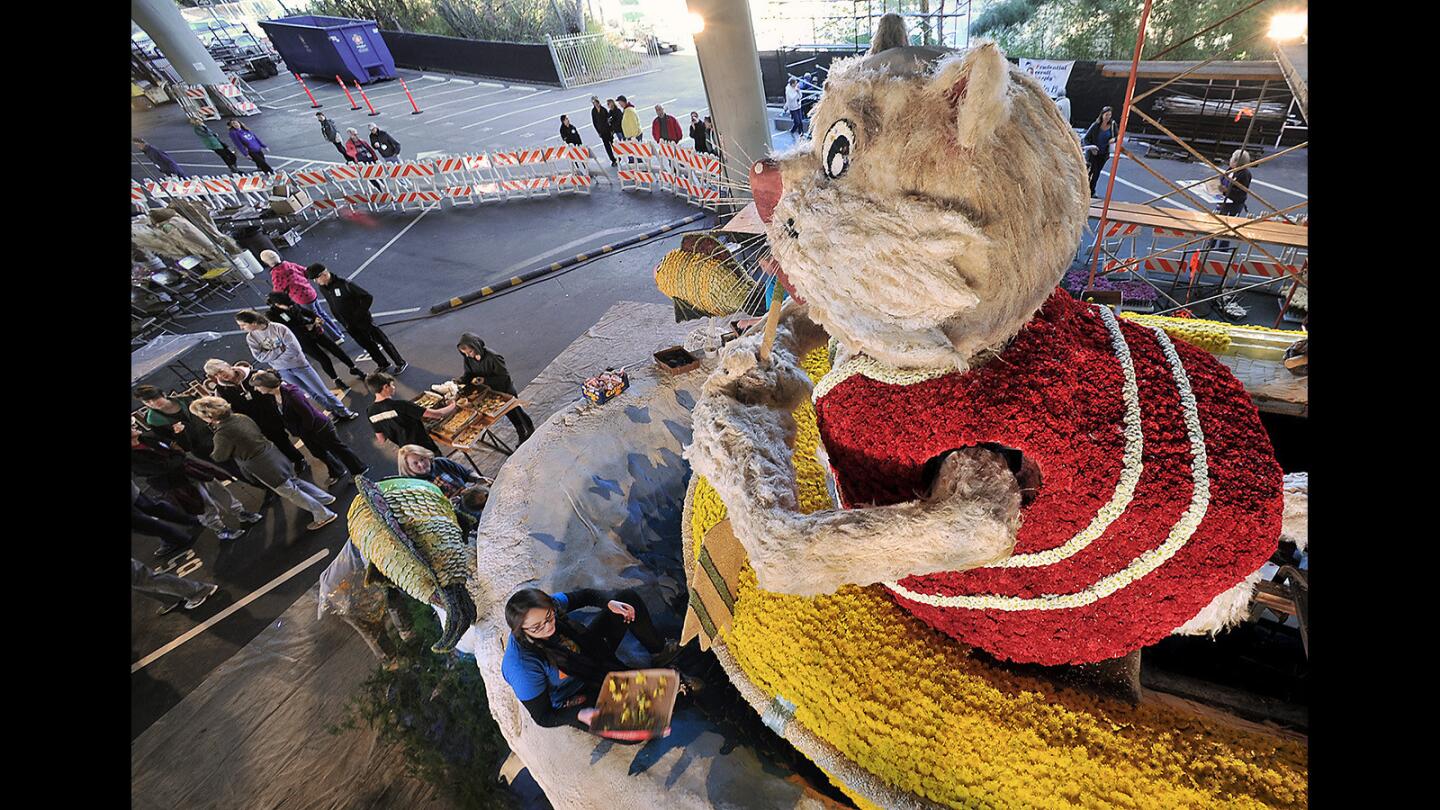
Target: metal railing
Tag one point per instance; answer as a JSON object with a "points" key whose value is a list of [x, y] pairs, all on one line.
{"points": [[589, 58]]}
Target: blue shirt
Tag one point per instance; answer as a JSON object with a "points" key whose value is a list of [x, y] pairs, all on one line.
{"points": [[530, 674]]}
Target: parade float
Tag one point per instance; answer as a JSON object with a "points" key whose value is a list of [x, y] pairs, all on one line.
{"points": [[935, 510]]}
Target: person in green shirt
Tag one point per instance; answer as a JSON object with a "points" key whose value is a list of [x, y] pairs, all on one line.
{"points": [[212, 142]]}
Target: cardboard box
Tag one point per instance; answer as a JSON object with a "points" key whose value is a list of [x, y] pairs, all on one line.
{"points": [[289, 204]]}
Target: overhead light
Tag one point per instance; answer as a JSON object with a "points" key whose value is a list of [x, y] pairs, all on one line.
{"points": [[697, 23], [1288, 25]]}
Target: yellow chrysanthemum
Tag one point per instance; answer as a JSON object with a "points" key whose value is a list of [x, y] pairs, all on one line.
{"points": [[910, 706]]}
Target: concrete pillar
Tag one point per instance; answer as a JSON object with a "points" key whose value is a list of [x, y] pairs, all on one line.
{"points": [[730, 68], [162, 21]]}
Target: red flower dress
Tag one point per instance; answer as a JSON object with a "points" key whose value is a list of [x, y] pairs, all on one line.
{"points": [[1159, 488]]}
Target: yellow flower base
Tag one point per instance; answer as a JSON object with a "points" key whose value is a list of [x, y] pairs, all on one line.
{"points": [[909, 705]]}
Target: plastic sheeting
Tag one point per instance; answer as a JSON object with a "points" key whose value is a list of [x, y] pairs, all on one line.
{"points": [[162, 350], [254, 734]]}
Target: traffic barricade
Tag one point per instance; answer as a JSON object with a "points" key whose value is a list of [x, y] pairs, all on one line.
{"points": [[243, 105], [635, 167], [196, 101]]}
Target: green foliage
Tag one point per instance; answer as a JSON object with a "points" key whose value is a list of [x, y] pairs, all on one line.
{"points": [[434, 707], [511, 20], [1105, 29], [417, 16]]}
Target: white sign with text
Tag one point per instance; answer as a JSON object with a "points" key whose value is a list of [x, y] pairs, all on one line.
{"points": [[1053, 75]]}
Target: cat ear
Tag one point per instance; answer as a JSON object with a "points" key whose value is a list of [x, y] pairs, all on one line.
{"points": [[977, 86]]}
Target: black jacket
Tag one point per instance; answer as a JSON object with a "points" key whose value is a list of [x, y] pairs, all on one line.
{"points": [[385, 145], [327, 131], [617, 115], [600, 119], [490, 366], [349, 301], [298, 319], [699, 133], [1093, 137], [589, 663], [569, 134], [261, 407]]}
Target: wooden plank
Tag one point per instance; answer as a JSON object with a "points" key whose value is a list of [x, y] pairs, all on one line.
{"points": [[1294, 61], [1259, 70], [747, 220], [1199, 223]]}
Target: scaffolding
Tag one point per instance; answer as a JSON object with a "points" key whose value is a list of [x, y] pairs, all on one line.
{"points": [[1271, 245], [945, 24]]}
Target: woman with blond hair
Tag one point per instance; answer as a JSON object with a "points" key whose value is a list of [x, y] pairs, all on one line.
{"points": [[460, 485], [1236, 184], [238, 437]]}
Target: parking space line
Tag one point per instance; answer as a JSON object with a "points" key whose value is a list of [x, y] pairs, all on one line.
{"points": [[218, 617], [1280, 188], [473, 109], [393, 240], [527, 109]]}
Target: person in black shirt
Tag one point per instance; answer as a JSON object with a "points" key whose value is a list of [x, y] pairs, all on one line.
{"points": [[400, 421], [698, 133], [568, 133], [310, 333], [1096, 144], [617, 115], [484, 367], [1236, 184], [233, 384], [600, 119], [351, 305]]}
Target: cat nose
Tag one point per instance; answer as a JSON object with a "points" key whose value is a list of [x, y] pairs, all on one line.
{"points": [[765, 187]]}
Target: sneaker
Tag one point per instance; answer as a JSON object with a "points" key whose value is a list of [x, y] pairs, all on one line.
{"points": [[333, 480], [355, 372], [230, 534], [348, 415], [167, 608], [341, 384], [319, 523], [200, 600], [251, 517], [665, 656], [401, 368], [382, 369]]}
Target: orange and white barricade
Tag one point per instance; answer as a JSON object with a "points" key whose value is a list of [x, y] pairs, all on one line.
{"points": [[571, 166], [411, 175], [487, 177], [220, 191], [636, 161], [454, 179], [253, 188], [316, 185], [377, 179], [231, 91], [512, 177], [196, 101]]}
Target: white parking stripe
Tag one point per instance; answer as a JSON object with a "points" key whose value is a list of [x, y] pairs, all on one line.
{"points": [[481, 107], [218, 617], [1280, 188], [393, 240], [527, 109]]}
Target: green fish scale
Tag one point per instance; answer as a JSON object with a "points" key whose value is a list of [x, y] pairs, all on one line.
{"points": [[429, 520]]}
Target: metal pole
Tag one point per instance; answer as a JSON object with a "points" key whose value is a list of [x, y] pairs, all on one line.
{"points": [[730, 69], [1119, 140], [1260, 100]]}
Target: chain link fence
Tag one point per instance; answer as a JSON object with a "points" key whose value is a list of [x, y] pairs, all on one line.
{"points": [[589, 58]]}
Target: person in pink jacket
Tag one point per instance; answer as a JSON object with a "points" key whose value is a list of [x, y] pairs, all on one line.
{"points": [[289, 278]]}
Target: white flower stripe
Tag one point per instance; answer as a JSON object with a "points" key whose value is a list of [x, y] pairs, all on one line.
{"points": [[1147, 562], [875, 370], [1129, 472]]}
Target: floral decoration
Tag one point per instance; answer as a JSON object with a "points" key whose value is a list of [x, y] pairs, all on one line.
{"points": [[909, 705]]}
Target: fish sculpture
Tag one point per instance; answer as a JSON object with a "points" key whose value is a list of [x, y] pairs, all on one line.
{"points": [[410, 534]]}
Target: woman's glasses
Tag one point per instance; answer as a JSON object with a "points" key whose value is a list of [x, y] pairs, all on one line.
{"points": [[549, 618]]}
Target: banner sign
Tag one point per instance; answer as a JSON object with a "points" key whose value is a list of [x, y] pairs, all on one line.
{"points": [[1053, 75]]}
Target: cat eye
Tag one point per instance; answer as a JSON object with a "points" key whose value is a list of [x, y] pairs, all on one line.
{"points": [[835, 149]]}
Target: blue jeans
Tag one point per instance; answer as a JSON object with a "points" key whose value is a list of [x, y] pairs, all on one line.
{"points": [[327, 321], [797, 117], [308, 381]]}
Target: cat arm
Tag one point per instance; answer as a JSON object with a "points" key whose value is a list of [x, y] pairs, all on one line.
{"points": [[743, 432]]}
